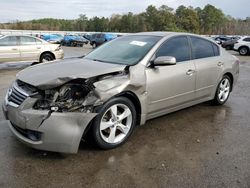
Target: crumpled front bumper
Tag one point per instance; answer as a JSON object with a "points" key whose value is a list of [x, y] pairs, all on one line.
{"points": [[56, 131]]}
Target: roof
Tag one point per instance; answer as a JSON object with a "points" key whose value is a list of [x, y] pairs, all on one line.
{"points": [[156, 33]]}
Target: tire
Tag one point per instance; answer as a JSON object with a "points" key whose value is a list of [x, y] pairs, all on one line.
{"points": [[114, 123], [228, 48], [223, 91], [46, 57], [244, 50]]}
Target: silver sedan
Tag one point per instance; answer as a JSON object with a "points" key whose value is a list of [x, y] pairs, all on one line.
{"points": [[117, 86]]}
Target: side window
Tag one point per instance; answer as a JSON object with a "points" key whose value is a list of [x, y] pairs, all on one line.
{"points": [[216, 50], [177, 47], [8, 41], [27, 41], [201, 48], [246, 39], [38, 41]]}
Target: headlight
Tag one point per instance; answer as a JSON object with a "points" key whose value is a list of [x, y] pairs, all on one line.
{"points": [[70, 97], [58, 48]]}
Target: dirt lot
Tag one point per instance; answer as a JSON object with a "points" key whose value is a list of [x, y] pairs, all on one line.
{"points": [[202, 146]]}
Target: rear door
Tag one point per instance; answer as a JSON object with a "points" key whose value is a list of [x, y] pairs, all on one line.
{"points": [[9, 49], [30, 48], [208, 63]]}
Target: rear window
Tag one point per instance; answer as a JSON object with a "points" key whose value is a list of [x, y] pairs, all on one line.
{"points": [[27, 41], [202, 48], [216, 49]]}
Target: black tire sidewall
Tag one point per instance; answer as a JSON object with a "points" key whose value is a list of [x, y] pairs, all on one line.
{"points": [[96, 123]]}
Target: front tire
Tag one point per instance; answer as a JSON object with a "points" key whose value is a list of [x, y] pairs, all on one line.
{"points": [[244, 51], [223, 91], [114, 123], [46, 57]]}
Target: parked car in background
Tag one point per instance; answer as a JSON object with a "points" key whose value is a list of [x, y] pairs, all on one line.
{"points": [[28, 48], [74, 40], [115, 87], [221, 39], [243, 46], [98, 39], [229, 44], [53, 38]]}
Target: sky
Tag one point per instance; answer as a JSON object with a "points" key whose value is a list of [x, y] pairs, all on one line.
{"points": [[70, 9]]}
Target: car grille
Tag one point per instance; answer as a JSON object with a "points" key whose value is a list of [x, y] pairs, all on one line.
{"points": [[16, 95], [19, 92]]}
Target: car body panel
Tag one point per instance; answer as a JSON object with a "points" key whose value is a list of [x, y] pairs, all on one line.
{"points": [[142, 81], [174, 77], [205, 83], [57, 73], [9, 53]]}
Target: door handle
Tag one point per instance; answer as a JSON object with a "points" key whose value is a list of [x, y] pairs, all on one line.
{"points": [[190, 72], [38, 47], [14, 49], [220, 64]]}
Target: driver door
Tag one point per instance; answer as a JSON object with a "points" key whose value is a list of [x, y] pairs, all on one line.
{"points": [[172, 86]]}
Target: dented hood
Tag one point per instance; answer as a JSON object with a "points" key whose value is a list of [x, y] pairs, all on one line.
{"points": [[53, 74]]}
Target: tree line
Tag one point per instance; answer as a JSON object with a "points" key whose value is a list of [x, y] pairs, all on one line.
{"points": [[209, 20]]}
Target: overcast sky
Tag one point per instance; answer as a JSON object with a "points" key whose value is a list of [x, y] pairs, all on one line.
{"points": [[69, 9]]}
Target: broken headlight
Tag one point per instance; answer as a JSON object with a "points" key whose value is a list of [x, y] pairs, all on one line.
{"points": [[69, 97]]}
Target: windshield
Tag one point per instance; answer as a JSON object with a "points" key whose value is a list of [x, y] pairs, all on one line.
{"points": [[128, 50]]}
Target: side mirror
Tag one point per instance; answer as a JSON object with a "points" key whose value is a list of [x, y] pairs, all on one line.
{"points": [[164, 60]]}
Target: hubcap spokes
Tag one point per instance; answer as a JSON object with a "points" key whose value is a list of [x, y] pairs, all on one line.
{"points": [[243, 51], [224, 90], [116, 123]]}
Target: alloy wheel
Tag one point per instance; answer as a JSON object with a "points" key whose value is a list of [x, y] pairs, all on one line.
{"points": [[224, 90], [116, 123]]}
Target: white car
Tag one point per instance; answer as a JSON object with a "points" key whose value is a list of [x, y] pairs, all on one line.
{"points": [[243, 46], [28, 48]]}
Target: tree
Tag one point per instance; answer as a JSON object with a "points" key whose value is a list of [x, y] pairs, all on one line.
{"points": [[187, 19], [81, 22], [211, 19]]}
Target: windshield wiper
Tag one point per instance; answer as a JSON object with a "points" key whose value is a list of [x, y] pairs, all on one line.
{"points": [[102, 61]]}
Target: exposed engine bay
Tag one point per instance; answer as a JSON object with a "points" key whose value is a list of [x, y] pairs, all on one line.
{"points": [[75, 96]]}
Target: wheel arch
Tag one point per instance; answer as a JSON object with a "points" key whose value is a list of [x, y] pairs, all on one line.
{"points": [[135, 100], [230, 75]]}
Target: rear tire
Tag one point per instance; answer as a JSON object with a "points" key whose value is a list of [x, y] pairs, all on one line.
{"points": [[223, 91], [114, 123]]}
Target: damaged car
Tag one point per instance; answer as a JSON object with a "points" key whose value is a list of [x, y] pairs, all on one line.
{"points": [[119, 85]]}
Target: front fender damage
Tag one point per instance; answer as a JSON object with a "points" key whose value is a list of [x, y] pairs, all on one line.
{"points": [[63, 130], [133, 82]]}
